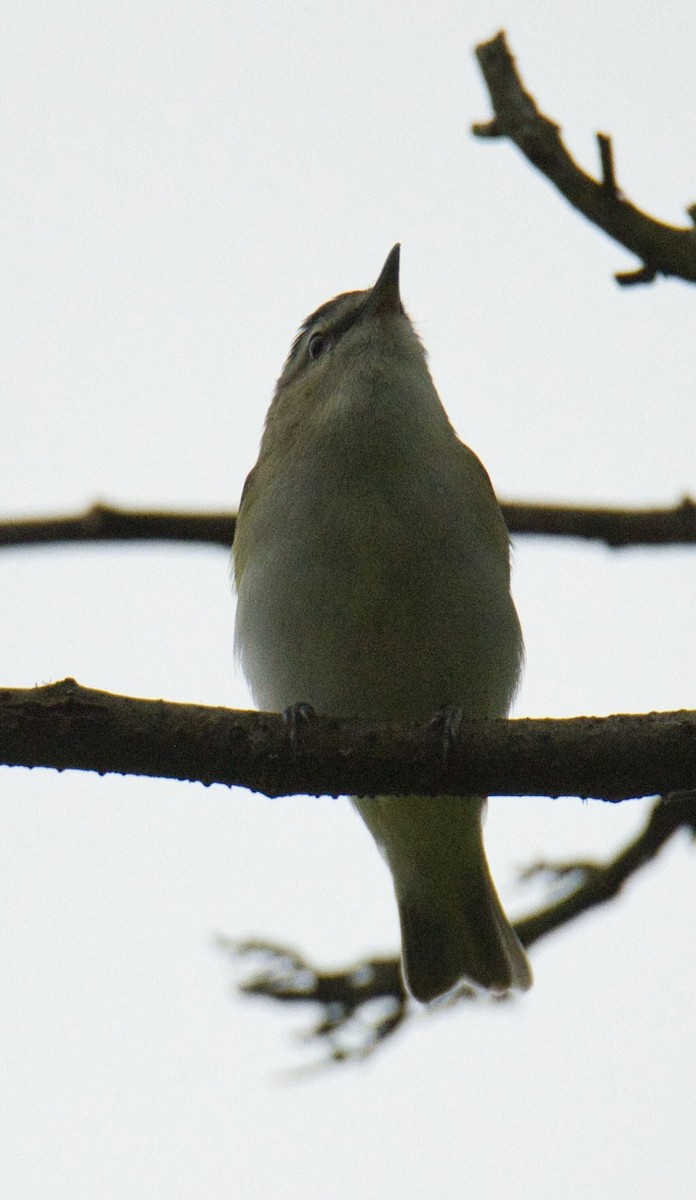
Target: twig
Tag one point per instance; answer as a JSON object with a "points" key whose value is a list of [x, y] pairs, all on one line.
{"points": [[349, 1024], [359, 1007], [601, 883], [662, 249]]}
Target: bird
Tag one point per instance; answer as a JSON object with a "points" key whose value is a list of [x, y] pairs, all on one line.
{"points": [[372, 571]]}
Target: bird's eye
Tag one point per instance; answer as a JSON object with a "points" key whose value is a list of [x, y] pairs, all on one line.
{"points": [[317, 344]]}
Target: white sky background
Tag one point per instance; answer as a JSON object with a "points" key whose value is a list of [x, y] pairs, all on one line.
{"points": [[182, 184]]}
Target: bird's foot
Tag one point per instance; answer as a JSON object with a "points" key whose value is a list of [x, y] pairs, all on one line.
{"points": [[447, 723], [296, 717]]}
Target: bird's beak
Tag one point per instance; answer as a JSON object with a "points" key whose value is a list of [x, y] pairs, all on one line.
{"points": [[385, 296]]}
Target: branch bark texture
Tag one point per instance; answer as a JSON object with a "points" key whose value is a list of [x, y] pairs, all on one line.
{"points": [[63, 725]]}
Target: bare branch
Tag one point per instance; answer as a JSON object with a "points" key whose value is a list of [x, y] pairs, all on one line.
{"points": [[362, 1005], [598, 883], [359, 1006], [606, 155], [104, 523], [616, 527], [662, 249], [63, 725]]}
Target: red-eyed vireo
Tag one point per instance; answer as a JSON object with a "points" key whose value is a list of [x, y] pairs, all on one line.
{"points": [[373, 579]]}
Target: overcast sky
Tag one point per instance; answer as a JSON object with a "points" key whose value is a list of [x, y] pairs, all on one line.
{"points": [[182, 184]]}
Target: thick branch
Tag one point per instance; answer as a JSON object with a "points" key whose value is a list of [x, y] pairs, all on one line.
{"points": [[63, 725], [616, 527], [663, 249]]}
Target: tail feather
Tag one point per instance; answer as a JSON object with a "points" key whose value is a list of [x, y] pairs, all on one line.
{"points": [[460, 936], [453, 928]]}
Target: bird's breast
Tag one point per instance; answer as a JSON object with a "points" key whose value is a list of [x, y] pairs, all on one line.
{"points": [[375, 602]]}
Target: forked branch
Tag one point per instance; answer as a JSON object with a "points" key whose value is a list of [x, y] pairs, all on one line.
{"points": [[361, 1006], [662, 249]]}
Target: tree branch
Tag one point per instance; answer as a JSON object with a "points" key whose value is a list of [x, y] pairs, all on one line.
{"points": [[362, 1005], [616, 527], [63, 725], [596, 883], [104, 523], [663, 249]]}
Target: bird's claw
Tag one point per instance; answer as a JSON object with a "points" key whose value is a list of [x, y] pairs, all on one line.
{"points": [[296, 716], [447, 722]]}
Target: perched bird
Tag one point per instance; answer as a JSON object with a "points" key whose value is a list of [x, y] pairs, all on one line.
{"points": [[373, 580]]}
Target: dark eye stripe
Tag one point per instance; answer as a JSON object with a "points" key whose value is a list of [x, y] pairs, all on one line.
{"points": [[333, 319]]}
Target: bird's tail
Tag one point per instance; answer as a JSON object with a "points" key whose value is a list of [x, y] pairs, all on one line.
{"points": [[453, 928]]}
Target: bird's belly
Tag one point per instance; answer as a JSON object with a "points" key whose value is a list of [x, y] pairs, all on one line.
{"points": [[380, 626]]}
